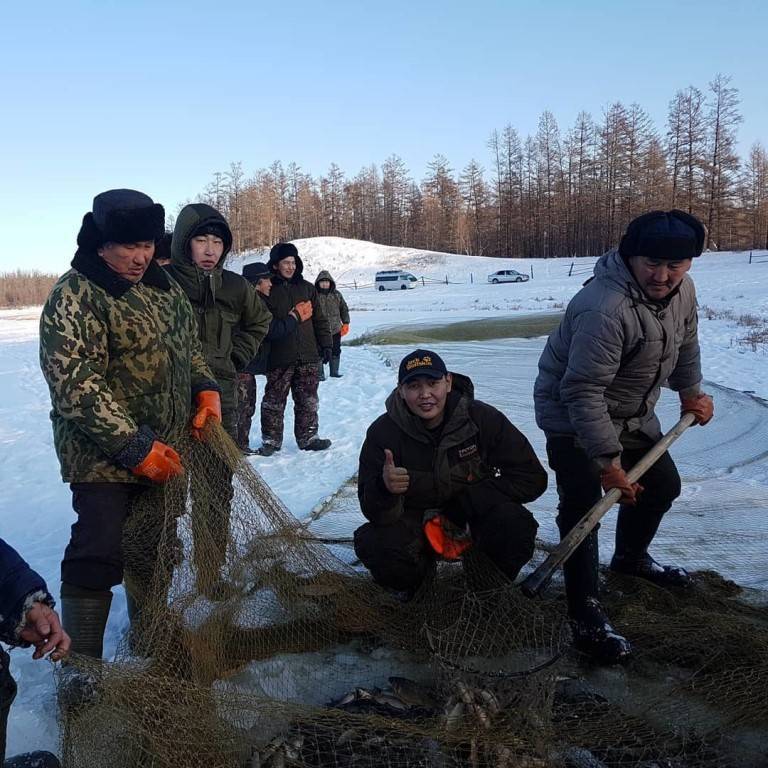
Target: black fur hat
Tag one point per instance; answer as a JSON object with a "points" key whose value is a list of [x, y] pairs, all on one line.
{"points": [[121, 216], [671, 235], [255, 271], [281, 251]]}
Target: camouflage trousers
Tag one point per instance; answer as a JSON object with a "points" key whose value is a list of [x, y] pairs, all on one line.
{"points": [[301, 381], [246, 407]]}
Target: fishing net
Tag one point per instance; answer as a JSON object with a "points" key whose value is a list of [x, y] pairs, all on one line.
{"points": [[254, 642]]}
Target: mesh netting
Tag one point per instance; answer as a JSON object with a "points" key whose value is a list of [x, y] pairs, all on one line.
{"points": [[255, 644]]}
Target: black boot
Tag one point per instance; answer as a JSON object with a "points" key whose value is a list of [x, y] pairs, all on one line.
{"points": [[84, 614], [316, 444], [635, 531], [594, 635], [267, 449], [335, 361], [645, 567], [33, 760]]}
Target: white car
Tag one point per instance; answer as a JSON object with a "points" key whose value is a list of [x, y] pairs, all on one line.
{"points": [[507, 276], [394, 280]]}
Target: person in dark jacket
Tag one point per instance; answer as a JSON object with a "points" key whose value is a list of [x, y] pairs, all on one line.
{"points": [[336, 310], [293, 360], [259, 275], [120, 352], [27, 619], [630, 330], [439, 456]]}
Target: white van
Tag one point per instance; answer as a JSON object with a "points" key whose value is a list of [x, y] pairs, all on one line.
{"points": [[394, 280]]}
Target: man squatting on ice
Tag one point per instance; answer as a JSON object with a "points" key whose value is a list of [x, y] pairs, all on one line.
{"points": [[440, 471], [26, 618], [260, 276], [120, 351], [293, 359], [336, 310], [630, 330]]}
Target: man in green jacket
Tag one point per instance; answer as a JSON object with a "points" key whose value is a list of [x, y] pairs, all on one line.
{"points": [[232, 321], [336, 310], [120, 353]]}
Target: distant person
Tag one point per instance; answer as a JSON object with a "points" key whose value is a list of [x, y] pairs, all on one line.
{"points": [[260, 276], [439, 472], [337, 312], [293, 360], [27, 619], [162, 255], [231, 323], [120, 353], [630, 330]]}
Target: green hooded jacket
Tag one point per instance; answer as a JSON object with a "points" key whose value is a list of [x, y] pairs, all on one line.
{"points": [[232, 321], [119, 359]]}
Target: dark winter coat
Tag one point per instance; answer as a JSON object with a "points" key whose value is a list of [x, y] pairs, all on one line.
{"points": [[302, 345], [117, 356], [20, 586], [231, 319], [602, 369], [332, 302], [279, 328], [477, 460]]}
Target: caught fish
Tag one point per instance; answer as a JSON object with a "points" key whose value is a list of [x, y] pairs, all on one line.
{"points": [[455, 716], [414, 693], [578, 757]]}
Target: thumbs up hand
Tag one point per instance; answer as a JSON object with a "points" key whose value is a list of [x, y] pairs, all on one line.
{"points": [[396, 479]]}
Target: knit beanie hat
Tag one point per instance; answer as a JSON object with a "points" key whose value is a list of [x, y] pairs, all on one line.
{"points": [[673, 235]]}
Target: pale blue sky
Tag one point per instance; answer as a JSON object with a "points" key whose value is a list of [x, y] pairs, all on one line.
{"points": [[158, 95]]}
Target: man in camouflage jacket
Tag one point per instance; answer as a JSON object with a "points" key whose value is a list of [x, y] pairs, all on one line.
{"points": [[120, 353]]}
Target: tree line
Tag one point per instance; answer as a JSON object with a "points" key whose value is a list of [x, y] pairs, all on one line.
{"points": [[25, 288], [556, 193]]}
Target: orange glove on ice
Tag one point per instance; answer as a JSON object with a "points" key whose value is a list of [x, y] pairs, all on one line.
{"points": [[160, 464], [701, 406], [208, 407], [344, 329], [615, 477]]}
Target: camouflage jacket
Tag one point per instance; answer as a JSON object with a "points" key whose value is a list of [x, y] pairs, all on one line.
{"points": [[117, 357]]}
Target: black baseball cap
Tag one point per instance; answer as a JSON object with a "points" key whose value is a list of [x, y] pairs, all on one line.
{"points": [[421, 362]]}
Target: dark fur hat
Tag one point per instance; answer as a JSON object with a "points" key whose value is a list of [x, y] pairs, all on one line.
{"points": [[255, 271], [671, 235], [281, 251], [121, 216]]}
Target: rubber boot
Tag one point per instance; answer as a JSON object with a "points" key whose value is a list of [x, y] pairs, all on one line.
{"points": [[635, 531], [84, 617], [37, 759], [320, 371], [335, 360], [595, 636], [84, 614]]}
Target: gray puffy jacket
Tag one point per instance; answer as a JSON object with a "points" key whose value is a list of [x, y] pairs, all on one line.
{"points": [[603, 367]]}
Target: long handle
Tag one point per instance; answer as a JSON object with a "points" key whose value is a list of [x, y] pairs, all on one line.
{"points": [[536, 581]]}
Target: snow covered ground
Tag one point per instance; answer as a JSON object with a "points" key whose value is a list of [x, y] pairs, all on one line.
{"points": [[719, 522]]}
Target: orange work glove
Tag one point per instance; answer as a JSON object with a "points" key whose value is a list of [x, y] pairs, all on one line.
{"points": [[701, 406], [208, 407], [304, 310], [615, 477], [344, 329], [160, 464]]}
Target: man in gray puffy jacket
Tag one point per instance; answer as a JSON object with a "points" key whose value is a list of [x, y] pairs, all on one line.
{"points": [[631, 329]]}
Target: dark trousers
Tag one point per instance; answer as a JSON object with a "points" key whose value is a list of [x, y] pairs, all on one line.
{"points": [[301, 381], [336, 344], [399, 556], [579, 488], [93, 558], [7, 695], [246, 404]]}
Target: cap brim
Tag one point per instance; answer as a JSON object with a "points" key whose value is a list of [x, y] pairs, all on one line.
{"points": [[429, 373]]}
